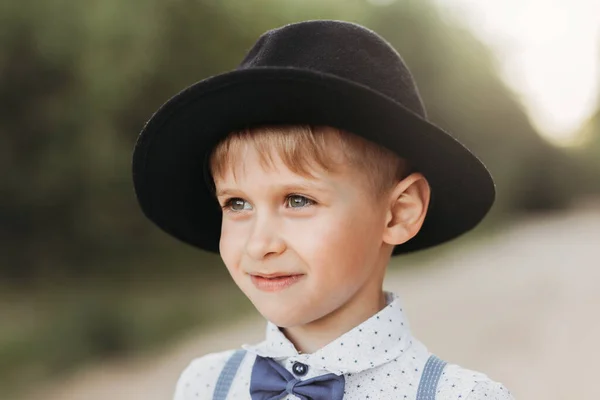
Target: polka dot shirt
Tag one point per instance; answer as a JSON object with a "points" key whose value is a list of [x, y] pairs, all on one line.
{"points": [[379, 359]]}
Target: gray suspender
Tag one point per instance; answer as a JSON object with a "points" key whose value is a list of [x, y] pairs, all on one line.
{"points": [[227, 375], [432, 372]]}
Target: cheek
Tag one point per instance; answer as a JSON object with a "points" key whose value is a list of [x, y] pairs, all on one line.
{"points": [[231, 246], [343, 246]]}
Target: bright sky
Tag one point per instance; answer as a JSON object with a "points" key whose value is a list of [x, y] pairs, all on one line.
{"points": [[549, 53]]}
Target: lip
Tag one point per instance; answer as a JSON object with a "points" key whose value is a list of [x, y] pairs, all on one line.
{"points": [[274, 282]]}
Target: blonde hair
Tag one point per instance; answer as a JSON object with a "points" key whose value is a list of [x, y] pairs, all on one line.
{"points": [[302, 147]]}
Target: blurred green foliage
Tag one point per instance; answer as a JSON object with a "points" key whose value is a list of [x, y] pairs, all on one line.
{"points": [[78, 79], [45, 334]]}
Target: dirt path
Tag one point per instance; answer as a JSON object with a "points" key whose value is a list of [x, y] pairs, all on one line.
{"points": [[524, 307]]}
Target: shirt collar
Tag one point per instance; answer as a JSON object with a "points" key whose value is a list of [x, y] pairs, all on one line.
{"points": [[380, 339]]}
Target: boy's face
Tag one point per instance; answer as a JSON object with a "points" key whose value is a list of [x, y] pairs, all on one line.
{"points": [[322, 234]]}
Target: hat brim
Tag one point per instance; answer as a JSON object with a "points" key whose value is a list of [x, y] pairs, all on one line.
{"points": [[168, 160]]}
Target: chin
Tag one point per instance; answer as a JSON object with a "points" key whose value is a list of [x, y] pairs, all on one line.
{"points": [[283, 316]]}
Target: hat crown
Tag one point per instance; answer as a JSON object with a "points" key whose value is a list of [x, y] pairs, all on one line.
{"points": [[343, 49]]}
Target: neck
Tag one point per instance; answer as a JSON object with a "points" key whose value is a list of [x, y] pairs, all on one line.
{"points": [[309, 338]]}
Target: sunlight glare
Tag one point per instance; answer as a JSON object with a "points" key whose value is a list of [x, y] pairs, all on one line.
{"points": [[548, 54]]}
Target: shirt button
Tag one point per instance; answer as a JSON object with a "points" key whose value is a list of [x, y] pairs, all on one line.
{"points": [[300, 369]]}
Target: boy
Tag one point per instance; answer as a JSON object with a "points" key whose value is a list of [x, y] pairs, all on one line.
{"points": [[318, 153]]}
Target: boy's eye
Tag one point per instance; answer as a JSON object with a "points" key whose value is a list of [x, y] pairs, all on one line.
{"points": [[237, 204], [296, 201]]}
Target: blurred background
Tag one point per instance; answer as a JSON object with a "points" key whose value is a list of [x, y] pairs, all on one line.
{"points": [[95, 302]]}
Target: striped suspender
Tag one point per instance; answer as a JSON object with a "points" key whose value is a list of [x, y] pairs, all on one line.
{"points": [[432, 372], [430, 378], [227, 375]]}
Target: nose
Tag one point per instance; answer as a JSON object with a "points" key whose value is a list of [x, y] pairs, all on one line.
{"points": [[264, 239]]}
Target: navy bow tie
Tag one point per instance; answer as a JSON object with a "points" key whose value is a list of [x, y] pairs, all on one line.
{"points": [[270, 381]]}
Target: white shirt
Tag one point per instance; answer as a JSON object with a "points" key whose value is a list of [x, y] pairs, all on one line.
{"points": [[379, 359]]}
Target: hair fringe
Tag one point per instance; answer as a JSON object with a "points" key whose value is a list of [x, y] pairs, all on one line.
{"points": [[304, 148]]}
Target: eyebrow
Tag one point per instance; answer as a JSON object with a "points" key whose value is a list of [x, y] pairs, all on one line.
{"points": [[301, 187], [292, 187], [226, 192]]}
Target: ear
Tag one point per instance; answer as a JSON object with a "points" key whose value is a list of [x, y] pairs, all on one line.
{"points": [[408, 204]]}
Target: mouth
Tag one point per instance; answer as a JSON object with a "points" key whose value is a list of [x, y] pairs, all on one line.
{"points": [[274, 282], [274, 275]]}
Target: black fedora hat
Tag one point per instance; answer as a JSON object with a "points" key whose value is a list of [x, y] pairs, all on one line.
{"points": [[319, 73]]}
